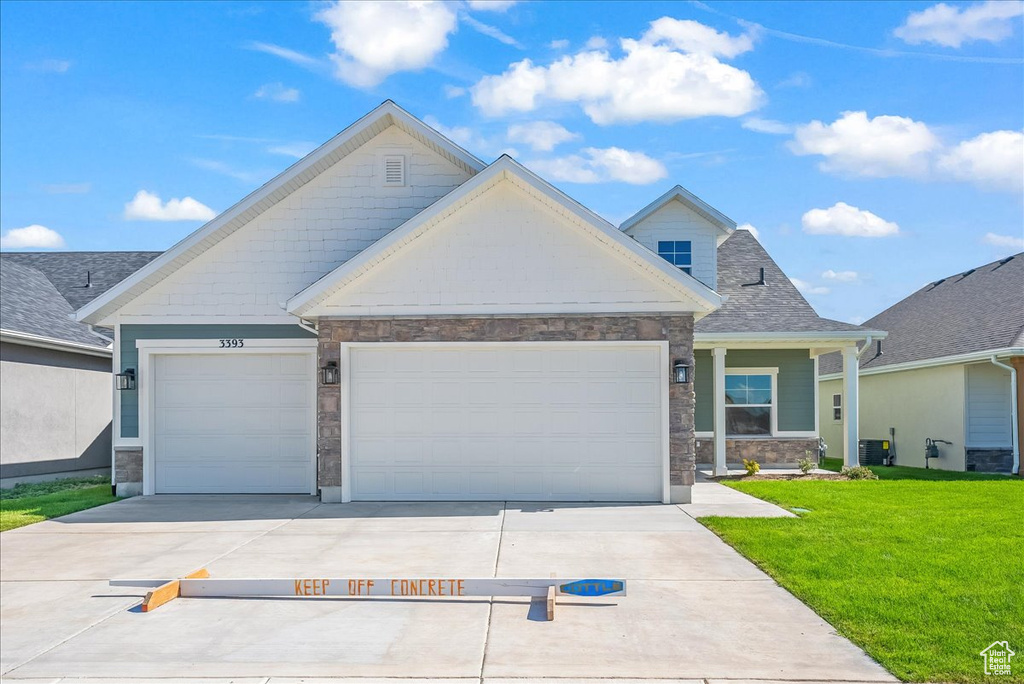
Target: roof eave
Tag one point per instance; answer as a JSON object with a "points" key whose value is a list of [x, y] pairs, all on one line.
{"points": [[44, 342], [720, 220]]}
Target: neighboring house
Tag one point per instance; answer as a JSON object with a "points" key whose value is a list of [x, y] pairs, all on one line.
{"points": [[55, 385], [392, 319], [950, 370]]}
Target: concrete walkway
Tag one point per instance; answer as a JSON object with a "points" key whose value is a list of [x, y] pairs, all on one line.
{"points": [[712, 498], [696, 609]]}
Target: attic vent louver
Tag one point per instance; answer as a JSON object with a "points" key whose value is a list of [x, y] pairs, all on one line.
{"points": [[394, 170]]}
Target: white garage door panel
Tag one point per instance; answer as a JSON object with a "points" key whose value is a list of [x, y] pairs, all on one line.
{"points": [[233, 423], [545, 423]]}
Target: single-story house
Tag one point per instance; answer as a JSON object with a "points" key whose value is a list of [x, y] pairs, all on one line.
{"points": [[393, 319], [55, 386], [950, 371]]}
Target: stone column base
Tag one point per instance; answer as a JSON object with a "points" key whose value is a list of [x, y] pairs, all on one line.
{"points": [[125, 489], [331, 495]]}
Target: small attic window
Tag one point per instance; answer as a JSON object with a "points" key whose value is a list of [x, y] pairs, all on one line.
{"points": [[394, 170], [677, 252]]}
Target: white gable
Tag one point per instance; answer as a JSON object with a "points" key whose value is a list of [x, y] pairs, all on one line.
{"points": [[503, 251], [676, 221], [315, 228]]}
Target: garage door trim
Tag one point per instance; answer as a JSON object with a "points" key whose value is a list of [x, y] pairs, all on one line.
{"points": [[150, 348], [346, 391]]}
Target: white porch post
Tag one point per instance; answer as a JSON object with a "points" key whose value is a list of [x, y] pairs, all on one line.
{"points": [[720, 467], [851, 436]]}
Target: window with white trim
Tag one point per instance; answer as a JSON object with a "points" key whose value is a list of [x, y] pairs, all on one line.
{"points": [[837, 407], [677, 252], [749, 404]]}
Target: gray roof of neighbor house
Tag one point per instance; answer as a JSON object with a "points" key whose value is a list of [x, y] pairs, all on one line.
{"points": [[40, 290], [974, 311], [775, 307]]}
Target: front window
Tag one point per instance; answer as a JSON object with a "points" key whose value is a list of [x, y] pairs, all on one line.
{"points": [[677, 252], [748, 405]]}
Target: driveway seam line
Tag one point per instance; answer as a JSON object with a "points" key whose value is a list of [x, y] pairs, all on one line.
{"points": [[490, 603]]}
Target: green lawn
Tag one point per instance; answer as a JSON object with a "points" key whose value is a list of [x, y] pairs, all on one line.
{"points": [[905, 473], [922, 574], [30, 503]]}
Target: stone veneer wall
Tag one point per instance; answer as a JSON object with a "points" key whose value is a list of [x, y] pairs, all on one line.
{"points": [[764, 451], [677, 329], [128, 470], [989, 460]]}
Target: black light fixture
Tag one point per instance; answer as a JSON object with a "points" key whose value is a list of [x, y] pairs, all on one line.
{"points": [[329, 374], [125, 380], [680, 372]]}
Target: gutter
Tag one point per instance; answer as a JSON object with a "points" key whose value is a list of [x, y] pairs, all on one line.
{"points": [[1013, 411], [30, 340], [970, 357]]}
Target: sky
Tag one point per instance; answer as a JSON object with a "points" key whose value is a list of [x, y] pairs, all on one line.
{"points": [[871, 147]]}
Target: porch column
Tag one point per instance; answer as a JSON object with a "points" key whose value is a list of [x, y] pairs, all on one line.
{"points": [[720, 469], [851, 433]]}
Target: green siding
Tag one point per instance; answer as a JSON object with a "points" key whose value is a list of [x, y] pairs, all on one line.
{"points": [[796, 385], [130, 354]]}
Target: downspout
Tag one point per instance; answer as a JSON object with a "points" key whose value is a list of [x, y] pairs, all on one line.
{"points": [[305, 326], [1013, 412]]}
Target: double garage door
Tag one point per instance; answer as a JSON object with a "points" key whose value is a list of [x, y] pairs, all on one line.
{"points": [[530, 422]]}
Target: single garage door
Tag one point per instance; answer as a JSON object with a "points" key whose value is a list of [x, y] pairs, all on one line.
{"points": [[233, 423], [558, 422]]}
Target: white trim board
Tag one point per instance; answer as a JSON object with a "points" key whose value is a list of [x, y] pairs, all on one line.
{"points": [[41, 342], [972, 357], [725, 224], [150, 348]]}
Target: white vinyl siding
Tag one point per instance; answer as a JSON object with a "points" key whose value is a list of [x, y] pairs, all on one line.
{"points": [[528, 422], [988, 406], [233, 424], [677, 222]]}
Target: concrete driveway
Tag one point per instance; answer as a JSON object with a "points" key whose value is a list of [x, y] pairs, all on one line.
{"points": [[695, 610]]}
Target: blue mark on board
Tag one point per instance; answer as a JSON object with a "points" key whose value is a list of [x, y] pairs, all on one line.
{"points": [[592, 587]]}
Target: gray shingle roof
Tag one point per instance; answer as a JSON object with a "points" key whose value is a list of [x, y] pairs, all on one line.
{"points": [[776, 307], [40, 290], [973, 311]]}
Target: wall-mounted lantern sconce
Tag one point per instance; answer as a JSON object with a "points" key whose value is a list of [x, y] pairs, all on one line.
{"points": [[125, 380], [329, 374], [680, 372]]}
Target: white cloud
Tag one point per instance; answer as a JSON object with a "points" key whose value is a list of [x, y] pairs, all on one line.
{"points": [[798, 79], [452, 92], [276, 92], [32, 237], [246, 175], [603, 165], [491, 31], [649, 82], [284, 53], [809, 289], [50, 66], [146, 206], [376, 39], [692, 36], [751, 229], [953, 26], [1003, 241], [755, 123], [881, 147], [68, 189], [541, 136], [596, 43], [491, 5], [843, 219], [841, 276], [297, 149], [991, 161], [559, 44]]}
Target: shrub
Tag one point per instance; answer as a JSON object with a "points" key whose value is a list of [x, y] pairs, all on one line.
{"points": [[858, 473], [752, 466], [806, 465]]}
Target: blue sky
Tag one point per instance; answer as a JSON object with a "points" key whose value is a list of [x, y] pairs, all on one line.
{"points": [[874, 147]]}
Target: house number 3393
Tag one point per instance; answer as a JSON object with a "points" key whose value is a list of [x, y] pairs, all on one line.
{"points": [[233, 343]]}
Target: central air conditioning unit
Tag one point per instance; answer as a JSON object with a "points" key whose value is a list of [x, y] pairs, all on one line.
{"points": [[874, 451]]}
